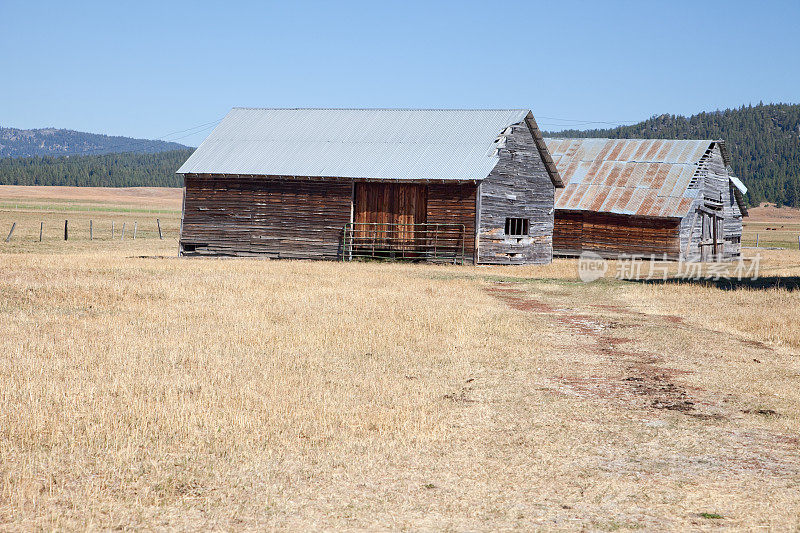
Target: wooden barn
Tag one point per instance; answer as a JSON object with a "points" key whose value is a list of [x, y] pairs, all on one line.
{"points": [[428, 185], [647, 197]]}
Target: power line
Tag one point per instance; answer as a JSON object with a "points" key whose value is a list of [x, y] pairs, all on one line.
{"points": [[584, 121], [131, 144], [213, 122], [578, 125], [193, 133]]}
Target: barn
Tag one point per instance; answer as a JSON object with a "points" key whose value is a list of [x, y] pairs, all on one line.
{"points": [[428, 185], [647, 197]]}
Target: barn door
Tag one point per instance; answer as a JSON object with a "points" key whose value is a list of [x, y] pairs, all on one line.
{"points": [[711, 236], [390, 211], [705, 235]]}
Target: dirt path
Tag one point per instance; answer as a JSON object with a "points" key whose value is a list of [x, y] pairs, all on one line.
{"points": [[644, 381], [638, 377]]}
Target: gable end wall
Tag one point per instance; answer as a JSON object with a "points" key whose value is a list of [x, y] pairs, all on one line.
{"points": [[714, 183], [518, 187]]}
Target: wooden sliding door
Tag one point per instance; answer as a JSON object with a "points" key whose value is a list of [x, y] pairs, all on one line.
{"points": [[388, 211]]}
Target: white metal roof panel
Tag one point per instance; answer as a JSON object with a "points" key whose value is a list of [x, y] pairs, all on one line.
{"points": [[403, 144], [738, 184]]}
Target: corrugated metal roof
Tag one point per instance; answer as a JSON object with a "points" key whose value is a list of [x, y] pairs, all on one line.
{"points": [[403, 144], [648, 177]]}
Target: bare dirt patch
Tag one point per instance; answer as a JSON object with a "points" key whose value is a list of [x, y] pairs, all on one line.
{"points": [[644, 382], [637, 378]]}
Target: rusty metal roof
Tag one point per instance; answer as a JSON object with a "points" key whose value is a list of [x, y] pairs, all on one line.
{"points": [[647, 177], [392, 144]]}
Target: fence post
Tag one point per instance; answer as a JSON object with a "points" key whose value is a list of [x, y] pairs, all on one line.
{"points": [[122, 238], [436, 243], [463, 238], [344, 242], [41, 227], [91, 230], [65, 230], [134, 229], [756, 240], [10, 233], [160, 236], [112, 230]]}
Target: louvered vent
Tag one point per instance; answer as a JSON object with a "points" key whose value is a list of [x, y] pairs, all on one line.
{"points": [[694, 183]]}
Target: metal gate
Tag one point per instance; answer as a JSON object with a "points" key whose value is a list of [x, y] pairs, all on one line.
{"points": [[441, 243]]}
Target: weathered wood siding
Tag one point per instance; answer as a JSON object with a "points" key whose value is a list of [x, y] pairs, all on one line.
{"points": [[268, 216], [568, 232], [611, 235], [297, 218], [715, 205], [518, 187], [455, 204], [401, 203], [732, 225], [388, 214], [390, 203]]}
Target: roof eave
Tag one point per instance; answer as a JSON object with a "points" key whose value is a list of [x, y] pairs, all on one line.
{"points": [[544, 153], [723, 149], [634, 215]]}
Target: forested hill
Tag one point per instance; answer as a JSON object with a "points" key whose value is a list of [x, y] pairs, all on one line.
{"points": [[108, 170], [763, 140], [55, 142]]}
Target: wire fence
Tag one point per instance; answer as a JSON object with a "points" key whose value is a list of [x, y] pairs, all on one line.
{"points": [[110, 230]]}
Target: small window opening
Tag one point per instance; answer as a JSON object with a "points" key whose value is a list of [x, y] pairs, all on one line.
{"points": [[516, 226]]}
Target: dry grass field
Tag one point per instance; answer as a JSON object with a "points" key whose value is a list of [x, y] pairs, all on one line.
{"points": [[775, 227], [139, 390], [46, 208]]}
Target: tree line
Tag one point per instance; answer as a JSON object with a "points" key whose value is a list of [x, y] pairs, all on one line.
{"points": [[763, 141], [108, 170]]}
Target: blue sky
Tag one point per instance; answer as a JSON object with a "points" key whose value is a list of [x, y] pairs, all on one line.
{"points": [[146, 69]]}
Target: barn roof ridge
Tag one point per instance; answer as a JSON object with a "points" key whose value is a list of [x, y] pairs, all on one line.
{"points": [[630, 139], [519, 109], [380, 143]]}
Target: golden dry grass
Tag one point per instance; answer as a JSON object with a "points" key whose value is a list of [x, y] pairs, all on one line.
{"points": [[139, 197], [767, 212], [166, 393], [47, 208], [775, 227]]}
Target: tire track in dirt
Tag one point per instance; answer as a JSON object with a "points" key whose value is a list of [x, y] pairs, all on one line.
{"points": [[645, 381], [679, 321]]}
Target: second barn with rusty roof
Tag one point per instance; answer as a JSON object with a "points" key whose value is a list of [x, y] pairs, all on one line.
{"points": [[647, 197]]}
